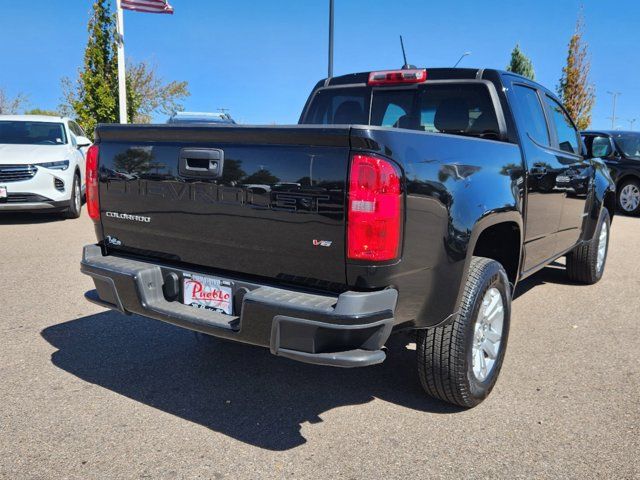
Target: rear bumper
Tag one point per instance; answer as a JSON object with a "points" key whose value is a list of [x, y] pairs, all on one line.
{"points": [[347, 330]]}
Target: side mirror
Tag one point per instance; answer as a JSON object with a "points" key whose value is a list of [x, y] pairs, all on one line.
{"points": [[601, 147], [83, 142]]}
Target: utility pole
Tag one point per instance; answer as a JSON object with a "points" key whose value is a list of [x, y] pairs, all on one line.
{"points": [[122, 76], [330, 69], [613, 114]]}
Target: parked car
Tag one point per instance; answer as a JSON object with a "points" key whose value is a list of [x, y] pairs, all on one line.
{"points": [[422, 197], [201, 117], [621, 152], [42, 164]]}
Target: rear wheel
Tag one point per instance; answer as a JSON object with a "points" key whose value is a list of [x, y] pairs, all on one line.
{"points": [[460, 362], [629, 197], [585, 263], [75, 203]]}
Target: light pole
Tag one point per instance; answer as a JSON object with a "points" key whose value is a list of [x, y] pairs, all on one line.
{"points": [[330, 69], [613, 113], [465, 54], [631, 122]]}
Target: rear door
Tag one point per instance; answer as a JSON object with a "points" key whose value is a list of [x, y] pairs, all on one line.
{"points": [[544, 199], [267, 202], [574, 177]]}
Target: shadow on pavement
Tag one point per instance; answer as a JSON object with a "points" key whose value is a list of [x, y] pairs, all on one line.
{"points": [[238, 390], [554, 273], [24, 218]]}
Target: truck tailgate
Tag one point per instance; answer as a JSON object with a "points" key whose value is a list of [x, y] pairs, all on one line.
{"points": [[264, 201]]}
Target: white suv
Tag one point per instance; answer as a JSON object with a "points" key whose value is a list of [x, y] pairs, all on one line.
{"points": [[42, 164]]}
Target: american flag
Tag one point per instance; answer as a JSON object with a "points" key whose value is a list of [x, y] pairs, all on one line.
{"points": [[147, 6]]}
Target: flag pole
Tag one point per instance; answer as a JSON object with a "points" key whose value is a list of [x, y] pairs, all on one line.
{"points": [[122, 75]]}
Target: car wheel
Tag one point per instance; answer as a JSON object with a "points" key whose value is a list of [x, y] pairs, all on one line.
{"points": [[460, 362], [75, 203], [586, 262], [629, 197]]}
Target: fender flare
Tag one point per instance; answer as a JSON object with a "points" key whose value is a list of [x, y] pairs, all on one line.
{"points": [[489, 220]]}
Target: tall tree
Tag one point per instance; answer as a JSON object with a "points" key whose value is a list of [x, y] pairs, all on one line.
{"points": [[575, 89], [521, 64], [93, 97], [11, 105]]}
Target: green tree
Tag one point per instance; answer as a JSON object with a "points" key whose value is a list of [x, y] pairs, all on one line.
{"points": [[521, 64], [575, 89], [93, 97], [40, 111]]}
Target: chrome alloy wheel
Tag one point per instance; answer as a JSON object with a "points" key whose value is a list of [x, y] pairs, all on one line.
{"points": [[630, 197], [77, 198], [487, 334], [602, 247]]}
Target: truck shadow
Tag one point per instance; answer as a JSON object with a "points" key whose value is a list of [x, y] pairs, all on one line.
{"points": [[553, 273], [241, 391]]}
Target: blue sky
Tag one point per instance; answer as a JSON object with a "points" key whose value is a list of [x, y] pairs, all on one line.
{"points": [[261, 58]]}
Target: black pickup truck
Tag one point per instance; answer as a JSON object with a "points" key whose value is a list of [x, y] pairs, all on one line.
{"points": [[404, 200]]}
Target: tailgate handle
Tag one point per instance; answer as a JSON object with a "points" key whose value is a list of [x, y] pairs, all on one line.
{"points": [[201, 162]]}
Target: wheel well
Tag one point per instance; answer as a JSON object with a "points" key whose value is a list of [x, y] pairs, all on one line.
{"points": [[625, 179], [501, 243]]}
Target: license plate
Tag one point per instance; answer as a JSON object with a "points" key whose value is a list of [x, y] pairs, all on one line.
{"points": [[3, 192], [209, 293]]}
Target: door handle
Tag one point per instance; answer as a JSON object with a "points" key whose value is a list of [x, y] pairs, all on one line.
{"points": [[201, 162]]}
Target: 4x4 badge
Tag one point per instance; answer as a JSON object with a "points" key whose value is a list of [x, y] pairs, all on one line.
{"points": [[322, 243]]}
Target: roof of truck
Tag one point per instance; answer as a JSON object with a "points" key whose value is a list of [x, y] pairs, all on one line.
{"points": [[432, 74]]}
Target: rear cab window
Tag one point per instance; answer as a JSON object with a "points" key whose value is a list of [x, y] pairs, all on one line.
{"points": [[458, 108]]}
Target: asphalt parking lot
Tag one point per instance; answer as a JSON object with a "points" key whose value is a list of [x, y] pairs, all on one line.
{"points": [[87, 393]]}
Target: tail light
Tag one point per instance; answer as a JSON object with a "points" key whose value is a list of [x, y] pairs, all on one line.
{"points": [[395, 77], [93, 201], [375, 210]]}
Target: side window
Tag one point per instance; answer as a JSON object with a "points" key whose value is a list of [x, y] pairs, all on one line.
{"points": [[531, 114], [72, 134], [567, 134], [75, 128]]}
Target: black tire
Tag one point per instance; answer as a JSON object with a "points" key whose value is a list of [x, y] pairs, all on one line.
{"points": [[445, 364], [582, 262], [75, 208], [630, 183]]}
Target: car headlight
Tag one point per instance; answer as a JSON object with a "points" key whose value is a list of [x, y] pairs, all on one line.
{"points": [[63, 165]]}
